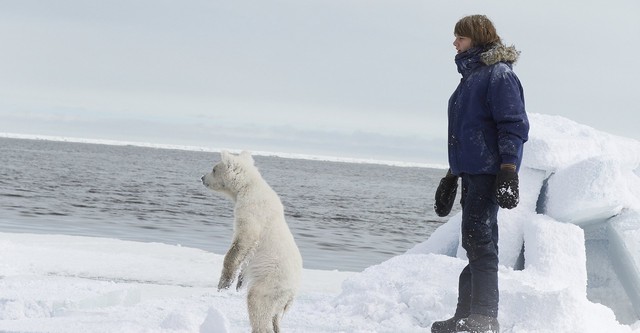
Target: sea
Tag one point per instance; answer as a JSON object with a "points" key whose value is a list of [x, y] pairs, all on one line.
{"points": [[344, 216]]}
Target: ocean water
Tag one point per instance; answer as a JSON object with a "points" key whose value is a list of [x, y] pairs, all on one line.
{"points": [[344, 216]]}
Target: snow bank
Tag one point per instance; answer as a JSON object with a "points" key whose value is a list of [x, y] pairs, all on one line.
{"points": [[593, 181], [549, 295], [575, 235]]}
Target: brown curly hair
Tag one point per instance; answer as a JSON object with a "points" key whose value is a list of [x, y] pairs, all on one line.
{"points": [[479, 28]]}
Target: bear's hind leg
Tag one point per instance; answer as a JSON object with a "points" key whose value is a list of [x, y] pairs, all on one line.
{"points": [[280, 309], [260, 307]]}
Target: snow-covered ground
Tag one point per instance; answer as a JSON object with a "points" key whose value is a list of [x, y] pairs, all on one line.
{"points": [[578, 223]]}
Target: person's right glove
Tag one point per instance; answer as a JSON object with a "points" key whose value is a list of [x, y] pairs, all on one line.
{"points": [[507, 192], [446, 194]]}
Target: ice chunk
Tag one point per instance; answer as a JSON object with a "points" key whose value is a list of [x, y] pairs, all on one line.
{"points": [[592, 190], [215, 322], [624, 245], [556, 142], [444, 240]]}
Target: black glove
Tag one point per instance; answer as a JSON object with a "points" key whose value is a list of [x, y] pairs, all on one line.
{"points": [[507, 192], [446, 194]]}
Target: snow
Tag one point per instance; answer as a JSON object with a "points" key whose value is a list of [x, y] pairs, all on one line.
{"points": [[578, 222]]}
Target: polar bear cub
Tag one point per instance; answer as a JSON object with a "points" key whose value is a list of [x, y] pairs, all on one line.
{"points": [[263, 253]]}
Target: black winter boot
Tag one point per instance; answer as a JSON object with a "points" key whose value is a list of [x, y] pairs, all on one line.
{"points": [[445, 326], [478, 324]]}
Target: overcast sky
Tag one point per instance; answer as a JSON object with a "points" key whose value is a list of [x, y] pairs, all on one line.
{"points": [[350, 78]]}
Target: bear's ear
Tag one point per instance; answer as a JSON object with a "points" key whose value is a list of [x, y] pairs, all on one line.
{"points": [[226, 157], [247, 157]]}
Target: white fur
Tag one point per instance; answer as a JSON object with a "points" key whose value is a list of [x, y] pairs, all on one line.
{"points": [[263, 250]]}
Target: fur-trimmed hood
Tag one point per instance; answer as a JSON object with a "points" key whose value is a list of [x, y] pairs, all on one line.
{"points": [[478, 57], [500, 53]]}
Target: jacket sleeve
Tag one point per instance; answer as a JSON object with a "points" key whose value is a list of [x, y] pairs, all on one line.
{"points": [[506, 102]]}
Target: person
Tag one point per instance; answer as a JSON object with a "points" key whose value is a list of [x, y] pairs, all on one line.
{"points": [[488, 127]]}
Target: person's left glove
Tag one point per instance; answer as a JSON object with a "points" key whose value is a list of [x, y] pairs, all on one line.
{"points": [[506, 186]]}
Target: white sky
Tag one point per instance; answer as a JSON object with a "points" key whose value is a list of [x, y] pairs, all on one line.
{"points": [[351, 78]]}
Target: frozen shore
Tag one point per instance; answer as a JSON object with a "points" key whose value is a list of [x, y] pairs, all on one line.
{"points": [[578, 223]]}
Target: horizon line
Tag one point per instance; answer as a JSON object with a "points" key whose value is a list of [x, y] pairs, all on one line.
{"points": [[111, 142]]}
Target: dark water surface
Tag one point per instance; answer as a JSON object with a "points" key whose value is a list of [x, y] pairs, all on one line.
{"points": [[344, 216]]}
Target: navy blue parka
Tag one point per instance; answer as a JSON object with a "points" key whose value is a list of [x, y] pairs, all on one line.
{"points": [[488, 125]]}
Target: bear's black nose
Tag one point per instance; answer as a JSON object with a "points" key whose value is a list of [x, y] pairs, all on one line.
{"points": [[202, 179]]}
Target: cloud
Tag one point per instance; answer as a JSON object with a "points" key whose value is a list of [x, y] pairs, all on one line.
{"points": [[339, 67]]}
